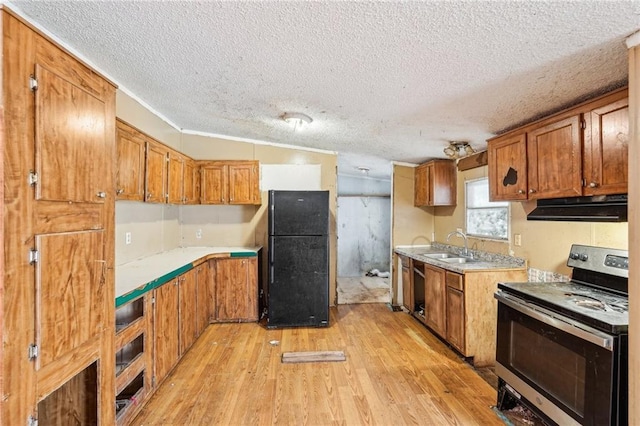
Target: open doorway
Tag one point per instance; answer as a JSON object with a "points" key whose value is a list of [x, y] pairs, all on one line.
{"points": [[363, 228]]}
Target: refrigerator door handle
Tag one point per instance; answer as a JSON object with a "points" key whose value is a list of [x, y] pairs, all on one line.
{"points": [[271, 276], [272, 219]]}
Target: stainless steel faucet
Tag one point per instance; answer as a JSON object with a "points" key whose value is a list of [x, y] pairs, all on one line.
{"points": [[461, 234]]}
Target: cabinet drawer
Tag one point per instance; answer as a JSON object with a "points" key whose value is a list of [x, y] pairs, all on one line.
{"points": [[454, 281]]}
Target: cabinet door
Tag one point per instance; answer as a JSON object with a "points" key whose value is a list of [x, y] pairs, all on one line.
{"points": [[190, 187], [236, 289], [167, 347], [606, 149], [70, 292], [70, 144], [130, 173], [156, 173], [455, 311], [188, 309], [435, 299], [407, 285], [175, 178], [554, 154], [214, 184], [203, 297], [508, 168], [243, 182], [421, 188], [442, 183]]}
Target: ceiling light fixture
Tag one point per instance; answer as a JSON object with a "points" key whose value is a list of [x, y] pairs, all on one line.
{"points": [[297, 119], [458, 149], [364, 170]]}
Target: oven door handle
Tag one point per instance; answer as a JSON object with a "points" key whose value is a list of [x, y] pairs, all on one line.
{"points": [[558, 321]]}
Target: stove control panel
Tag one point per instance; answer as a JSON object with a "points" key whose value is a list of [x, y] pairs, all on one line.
{"points": [[599, 259], [619, 262]]}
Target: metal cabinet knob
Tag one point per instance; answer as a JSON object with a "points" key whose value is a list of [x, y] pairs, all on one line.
{"points": [[119, 191], [593, 185], [149, 194], [520, 191], [101, 194], [531, 191]]}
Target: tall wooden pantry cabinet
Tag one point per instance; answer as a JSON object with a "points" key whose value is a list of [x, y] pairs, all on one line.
{"points": [[57, 317]]}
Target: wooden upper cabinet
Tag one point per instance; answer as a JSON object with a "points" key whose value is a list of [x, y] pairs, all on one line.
{"points": [[554, 154], [229, 182], [191, 182], [214, 183], [70, 144], [244, 179], [175, 177], [130, 170], [421, 186], [155, 173], [606, 149], [580, 151], [435, 184], [507, 157]]}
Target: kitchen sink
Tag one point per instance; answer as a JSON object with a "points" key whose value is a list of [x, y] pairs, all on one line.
{"points": [[459, 260], [441, 256]]}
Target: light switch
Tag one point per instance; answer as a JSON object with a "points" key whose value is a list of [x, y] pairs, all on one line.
{"points": [[127, 238], [517, 240]]}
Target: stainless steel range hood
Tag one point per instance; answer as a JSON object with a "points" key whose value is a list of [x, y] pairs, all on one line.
{"points": [[600, 208]]}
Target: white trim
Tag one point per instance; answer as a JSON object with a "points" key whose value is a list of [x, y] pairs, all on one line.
{"points": [[633, 40], [402, 163], [256, 141]]}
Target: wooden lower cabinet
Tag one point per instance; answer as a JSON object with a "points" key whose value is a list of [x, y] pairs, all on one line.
{"points": [[204, 301], [435, 299], [407, 284], [236, 289], [460, 308], [455, 310], [154, 331], [166, 329], [187, 314]]}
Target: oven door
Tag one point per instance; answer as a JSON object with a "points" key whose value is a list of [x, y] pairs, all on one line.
{"points": [[564, 369]]}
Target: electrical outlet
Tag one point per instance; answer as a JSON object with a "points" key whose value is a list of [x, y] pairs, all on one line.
{"points": [[517, 240], [127, 238], [459, 229], [199, 233]]}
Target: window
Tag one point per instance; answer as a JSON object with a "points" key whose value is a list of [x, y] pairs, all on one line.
{"points": [[487, 219]]}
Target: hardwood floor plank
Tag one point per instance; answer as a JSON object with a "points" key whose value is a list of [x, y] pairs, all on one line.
{"points": [[396, 372]]}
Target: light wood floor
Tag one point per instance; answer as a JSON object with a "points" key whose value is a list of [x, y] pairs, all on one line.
{"points": [[396, 373]]}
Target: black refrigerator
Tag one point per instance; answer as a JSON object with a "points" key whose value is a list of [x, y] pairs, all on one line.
{"points": [[298, 285]]}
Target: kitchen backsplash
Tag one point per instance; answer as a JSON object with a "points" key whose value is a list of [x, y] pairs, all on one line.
{"points": [[480, 255], [538, 275]]}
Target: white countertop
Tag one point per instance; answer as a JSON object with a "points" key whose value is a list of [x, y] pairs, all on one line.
{"points": [[137, 273]]}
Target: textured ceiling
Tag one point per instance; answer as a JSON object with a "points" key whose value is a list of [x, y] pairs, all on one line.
{"points": [[381, 80]]}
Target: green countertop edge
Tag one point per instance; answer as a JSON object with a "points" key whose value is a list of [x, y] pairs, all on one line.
{"points": [[243, 254], [126, 298]]}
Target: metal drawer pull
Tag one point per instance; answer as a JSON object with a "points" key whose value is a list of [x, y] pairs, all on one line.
{"points": [[101, 194]]}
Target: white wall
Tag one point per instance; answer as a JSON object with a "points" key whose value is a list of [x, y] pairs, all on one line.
{"points": [[364, 225]]}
